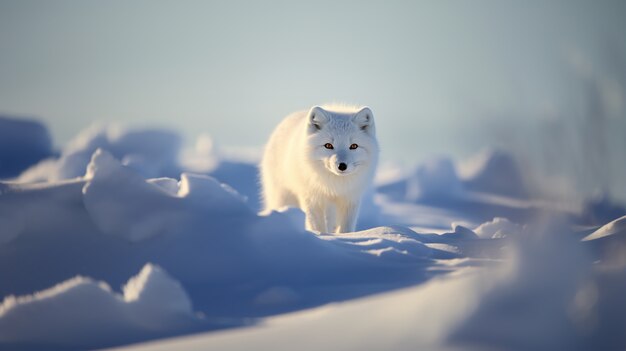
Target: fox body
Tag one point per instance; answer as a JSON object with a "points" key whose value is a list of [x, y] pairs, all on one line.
{"points": [[322, 161]]}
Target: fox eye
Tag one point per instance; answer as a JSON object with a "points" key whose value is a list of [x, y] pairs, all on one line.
{"points": [[353, 146], [329, 146]]}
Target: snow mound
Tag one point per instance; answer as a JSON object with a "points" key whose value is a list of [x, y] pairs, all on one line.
{"points": [[461, 232], [498, 228], [152, 304], [613, 228], [122, 203], [22, 144], [157, 296], [494, 172], [151, 152], [433, 180]]}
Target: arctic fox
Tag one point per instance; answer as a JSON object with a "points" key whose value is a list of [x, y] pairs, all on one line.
{"points": [[321, 161]]}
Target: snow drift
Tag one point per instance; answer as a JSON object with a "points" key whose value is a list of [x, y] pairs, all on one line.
{"points": [[121, 202], [235, 264], [150, 152], [116, 202], [152, 304], [549, 296], [22, 144], [494, 172]]}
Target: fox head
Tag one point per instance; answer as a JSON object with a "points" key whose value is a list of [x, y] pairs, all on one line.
{"points": [[342, 138]]}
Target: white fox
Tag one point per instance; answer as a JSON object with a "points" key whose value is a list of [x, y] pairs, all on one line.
{"points": [[321, 161]]}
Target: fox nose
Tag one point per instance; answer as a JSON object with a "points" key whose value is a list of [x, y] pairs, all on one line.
{"points": [[342, 166]]}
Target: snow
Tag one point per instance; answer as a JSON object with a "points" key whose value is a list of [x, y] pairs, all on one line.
{"points": [[152, 302], [551, 298], [446, 257], [548, 297], [495, 172], [433, 180], [22, 144], [408, 319], [121, 202], [498, 228], [150, 152], [485, 186], [616, 227]]}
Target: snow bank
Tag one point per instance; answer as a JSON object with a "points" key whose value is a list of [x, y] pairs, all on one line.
{"points": [[433, 180], [493, 172], [416, 318], [442, 181], [22, 144], [550, 296], [83, 313], [151, 152], [130, 200], [609, 243], [480, 189], [113, 220], [498, 228], [240, 173], [122, 203], [616, 227]]}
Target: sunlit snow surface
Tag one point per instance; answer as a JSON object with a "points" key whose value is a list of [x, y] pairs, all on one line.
{"points": [[122, 237]]}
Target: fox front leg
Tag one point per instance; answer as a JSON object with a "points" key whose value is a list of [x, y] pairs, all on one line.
{"points": [[315, 220], [347, 212], [331, 217]]}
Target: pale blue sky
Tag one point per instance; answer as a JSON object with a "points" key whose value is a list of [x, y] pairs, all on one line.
{"points": [[443, 77]]}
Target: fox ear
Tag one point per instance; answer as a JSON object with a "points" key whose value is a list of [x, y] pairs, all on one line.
{"points": [[364, 119], [317, 118]]}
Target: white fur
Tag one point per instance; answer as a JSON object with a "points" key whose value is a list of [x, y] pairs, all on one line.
{"points": [[298, 171]]}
